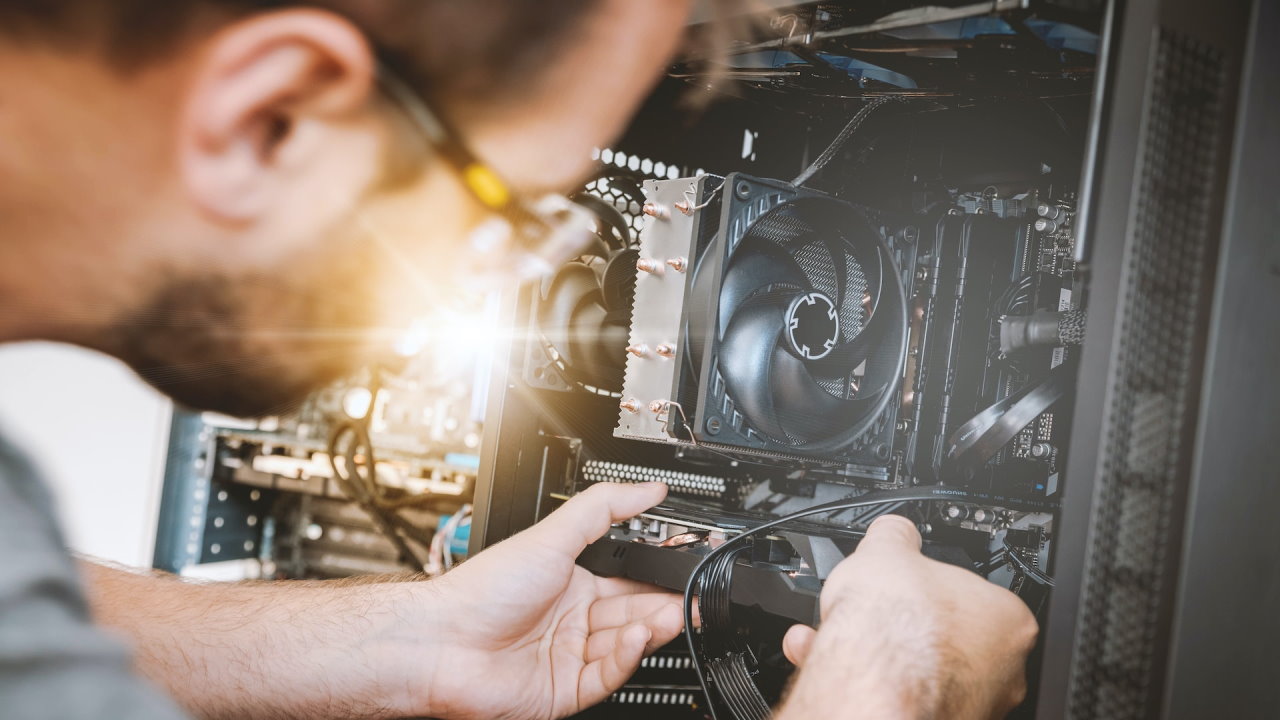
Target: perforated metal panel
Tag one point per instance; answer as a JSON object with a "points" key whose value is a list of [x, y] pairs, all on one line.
{"points": [[1145, 452]]}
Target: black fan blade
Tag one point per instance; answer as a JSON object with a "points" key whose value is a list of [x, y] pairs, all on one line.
{"points": [[616, 230], [571, 286], [805, 411], [755, 265], [746, 358], [596, 345]]}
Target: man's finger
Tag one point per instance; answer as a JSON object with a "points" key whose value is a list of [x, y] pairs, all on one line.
{"points": [[588, 515], [600, 678], [890, 533], [664, 625], [610, 587], [626, 609], [797, 642]]}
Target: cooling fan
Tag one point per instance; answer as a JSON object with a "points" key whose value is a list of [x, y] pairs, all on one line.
{"points": [[794, 325], [583, 309]]}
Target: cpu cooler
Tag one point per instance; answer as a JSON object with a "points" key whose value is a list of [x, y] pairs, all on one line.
{"points": [[791, 323]]}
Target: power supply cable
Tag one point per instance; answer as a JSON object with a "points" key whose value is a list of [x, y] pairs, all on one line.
{"points": [[937, 493], [1035, 573], [843, 137], [979, 439]]}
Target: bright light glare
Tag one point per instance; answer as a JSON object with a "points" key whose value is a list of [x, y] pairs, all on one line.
{"points": [[355, 403], [454, 337]]}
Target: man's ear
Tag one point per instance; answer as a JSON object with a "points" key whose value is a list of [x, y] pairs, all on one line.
{"points": [[263, 93]]}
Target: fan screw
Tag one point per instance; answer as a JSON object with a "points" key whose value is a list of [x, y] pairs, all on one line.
{"points": [[638, 350], [657, 407], [649, 265], [713, 426], [678, 264], [655, 210], [666, 350], [631, 405]]}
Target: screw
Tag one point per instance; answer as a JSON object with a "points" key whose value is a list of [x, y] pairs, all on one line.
{"points": [[678, 264], [713, 426], [655, 210], [666, 350], [638, 350], [649, 265], [683, 206], [743, 189], [657, 407], [631, 405]]}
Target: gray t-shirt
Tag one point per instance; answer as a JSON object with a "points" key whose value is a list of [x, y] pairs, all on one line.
{"points": [[54, 663]]}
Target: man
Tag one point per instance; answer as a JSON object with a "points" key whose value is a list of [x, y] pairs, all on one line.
{"points": [[218, 193]]}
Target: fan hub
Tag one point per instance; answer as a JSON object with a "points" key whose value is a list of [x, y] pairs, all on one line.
{"points": [[813, 326]]}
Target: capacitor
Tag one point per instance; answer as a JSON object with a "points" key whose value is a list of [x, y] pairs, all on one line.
{"points": [[1045, 225], [1041, 450], [1051, 212]]}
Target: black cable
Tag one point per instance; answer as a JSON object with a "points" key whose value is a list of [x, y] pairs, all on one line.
{"points": [[1026, 568], [979, 439], [352, 483], [879, 497], [843, 137]]}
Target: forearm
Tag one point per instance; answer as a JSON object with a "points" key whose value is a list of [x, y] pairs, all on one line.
{"points": [[273, 650]]}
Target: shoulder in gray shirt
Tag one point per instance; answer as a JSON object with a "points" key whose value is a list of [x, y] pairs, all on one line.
{"points": [[54, 663]]}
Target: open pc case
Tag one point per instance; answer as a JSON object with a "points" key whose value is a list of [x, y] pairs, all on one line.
{"points": [[1004, 268], [999, 267]]}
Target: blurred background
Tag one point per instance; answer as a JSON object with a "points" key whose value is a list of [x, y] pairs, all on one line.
{"points": [[99, 435]]}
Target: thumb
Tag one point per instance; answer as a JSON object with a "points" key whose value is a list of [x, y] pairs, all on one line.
{"points": [[797, 642], [890, 533], [587, 516]]}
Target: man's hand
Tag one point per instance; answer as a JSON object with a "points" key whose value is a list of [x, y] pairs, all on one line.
{"points": [[904, 636], [518, 631], [529, 634]]}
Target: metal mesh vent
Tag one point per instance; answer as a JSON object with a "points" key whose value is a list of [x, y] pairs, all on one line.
{"points": [[626, 199], [1138, 491]]}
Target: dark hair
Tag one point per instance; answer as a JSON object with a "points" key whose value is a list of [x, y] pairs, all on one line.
{"points": [[450, 48]]}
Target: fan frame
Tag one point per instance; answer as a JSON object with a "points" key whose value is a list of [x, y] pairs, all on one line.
{"points": [[716, 420]]}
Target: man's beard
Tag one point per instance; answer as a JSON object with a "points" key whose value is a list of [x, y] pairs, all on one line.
{"points": [[256, 344]]}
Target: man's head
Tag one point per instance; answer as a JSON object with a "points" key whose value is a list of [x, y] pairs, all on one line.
{"points": [[216, 192]]}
